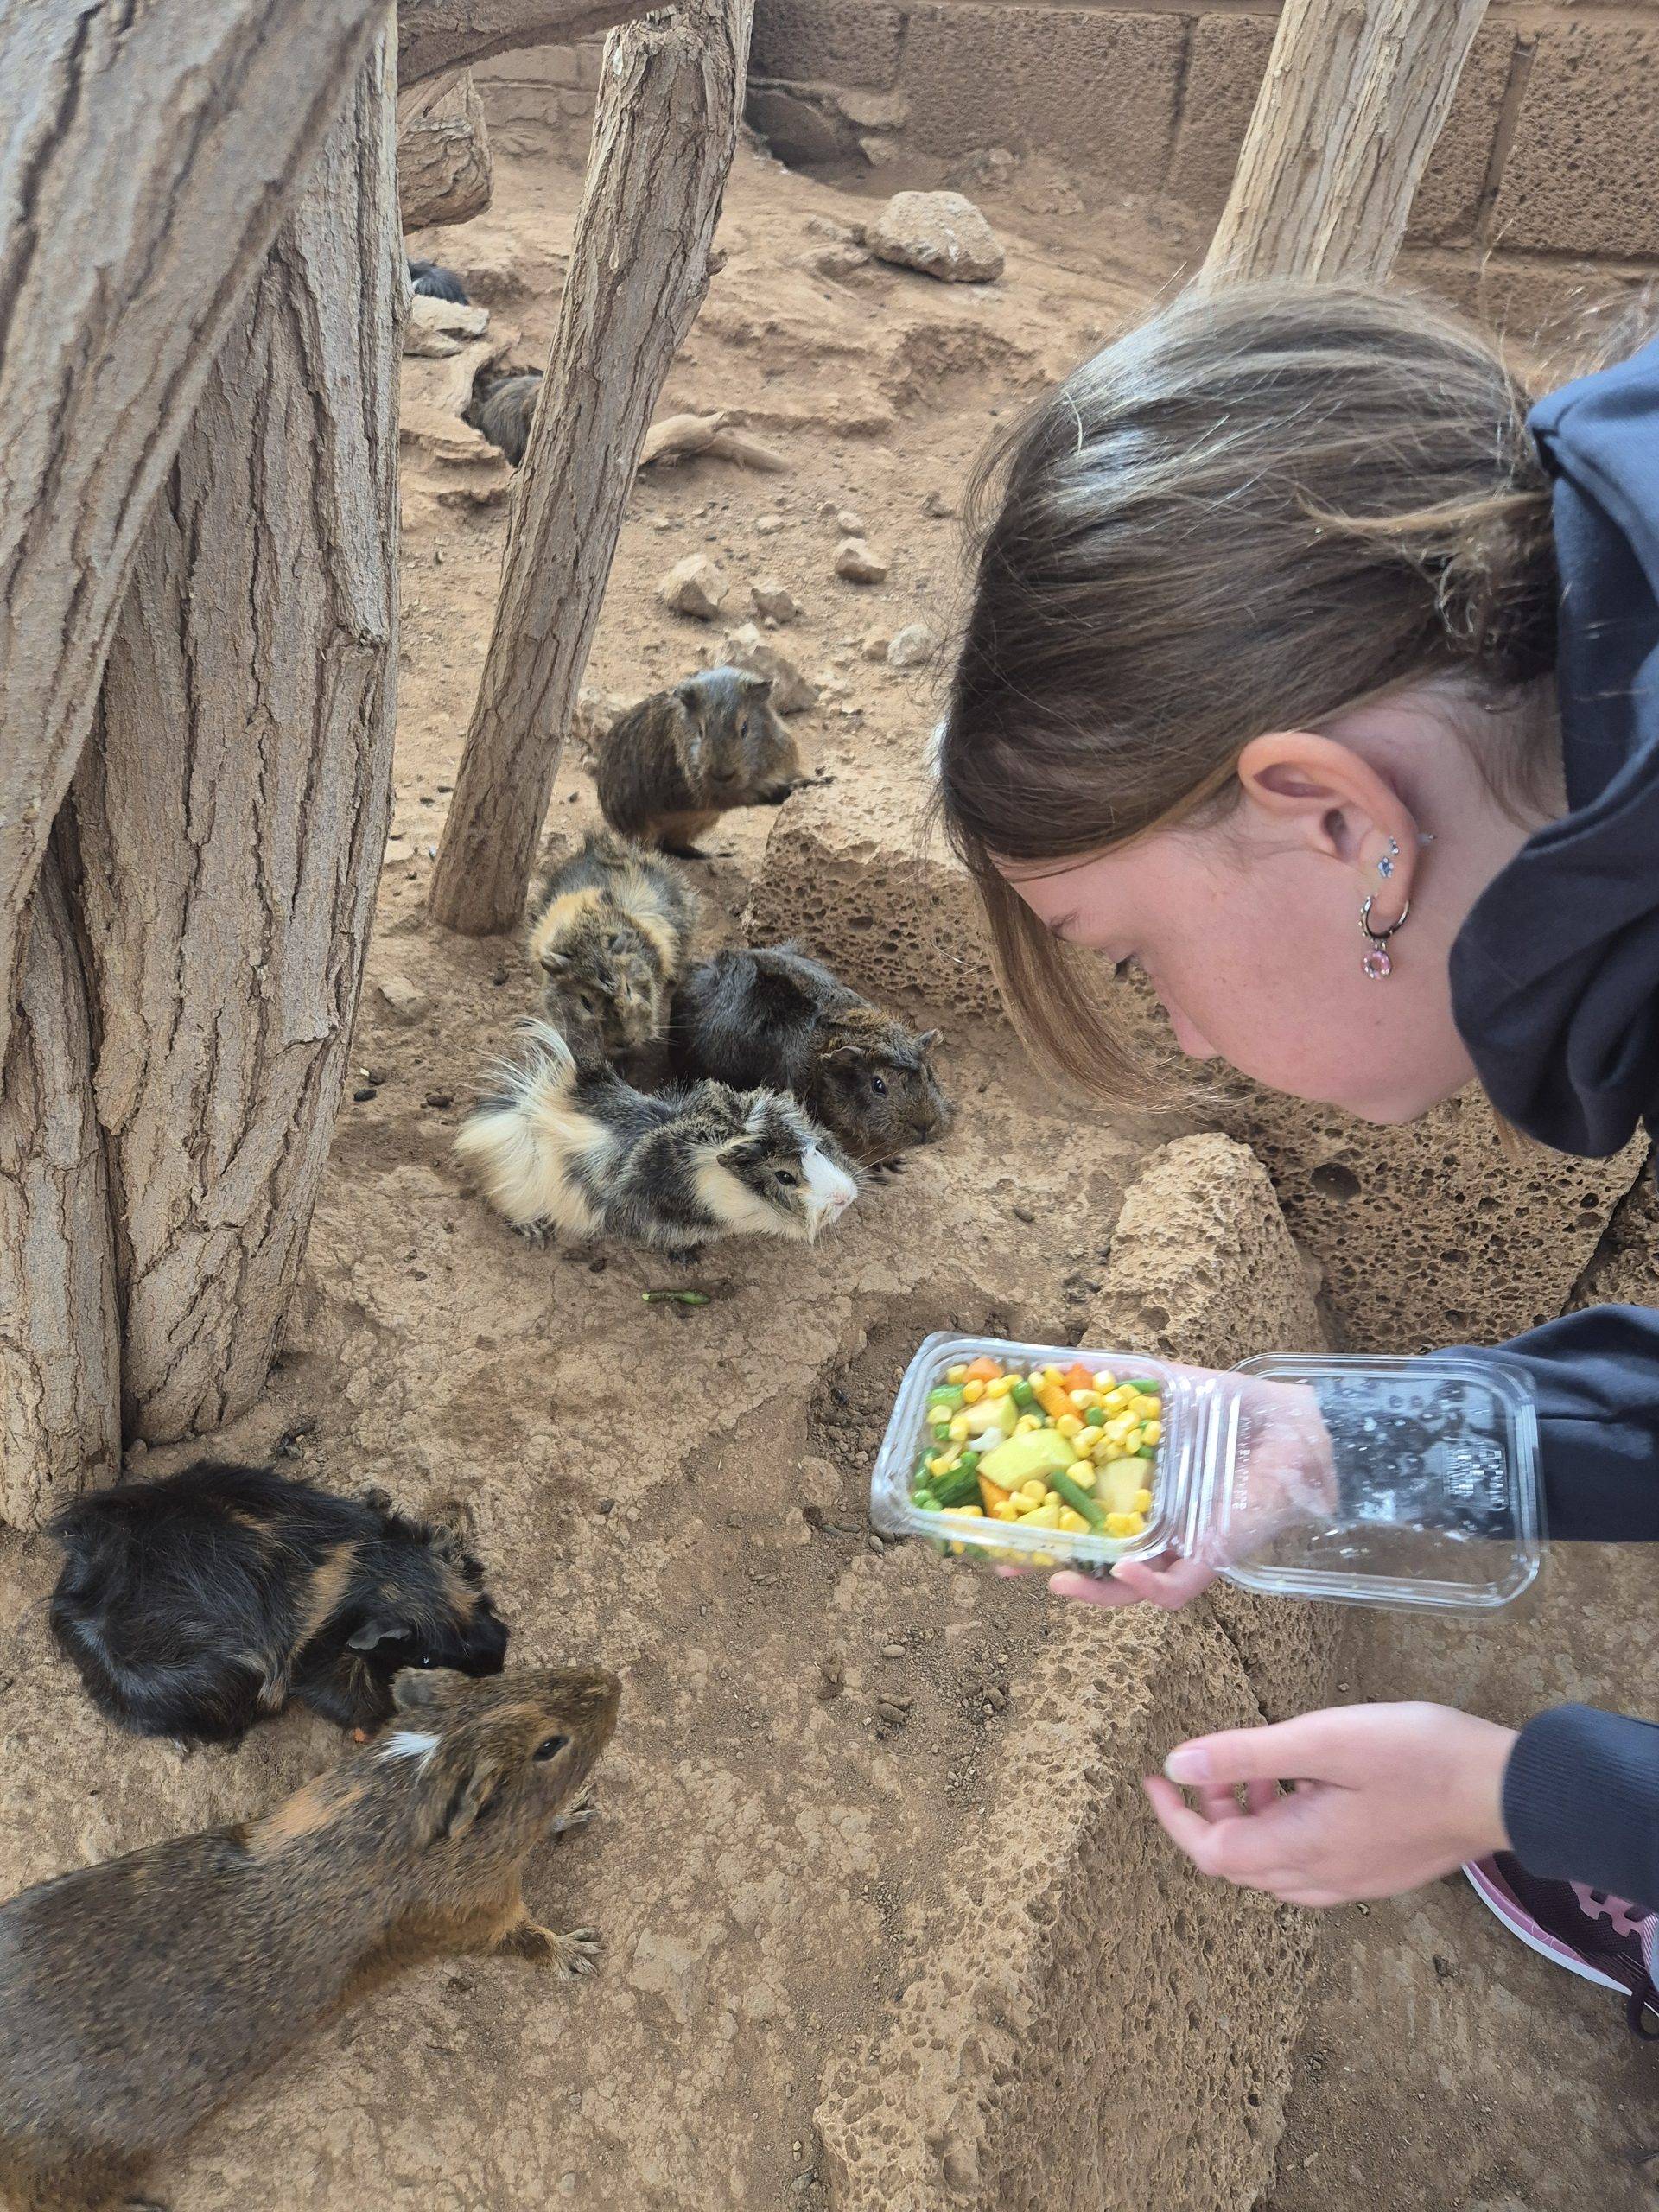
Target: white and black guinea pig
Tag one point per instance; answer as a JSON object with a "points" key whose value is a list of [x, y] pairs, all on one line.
{"points": [[195, 1605]]}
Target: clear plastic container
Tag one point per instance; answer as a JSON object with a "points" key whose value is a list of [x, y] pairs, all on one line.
{"points": [[1375, 1481]]}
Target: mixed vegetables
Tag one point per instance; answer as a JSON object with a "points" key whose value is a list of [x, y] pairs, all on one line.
{"points": [[1073, 1449]]}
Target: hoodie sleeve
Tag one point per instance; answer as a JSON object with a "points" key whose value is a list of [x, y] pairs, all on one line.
{"points": [[1581, 1790]]}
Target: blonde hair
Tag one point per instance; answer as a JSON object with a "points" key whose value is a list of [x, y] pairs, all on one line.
{"points": [[1267, 504]]}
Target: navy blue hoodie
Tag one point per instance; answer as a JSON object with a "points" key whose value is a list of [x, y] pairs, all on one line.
{"points": [[1555, 988]]}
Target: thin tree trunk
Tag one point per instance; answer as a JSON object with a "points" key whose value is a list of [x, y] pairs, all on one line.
{"points": [[148, 157], [434, 36], [1354, 97], [59, 1422], [445, 170], [664, 132], [230, 813]]}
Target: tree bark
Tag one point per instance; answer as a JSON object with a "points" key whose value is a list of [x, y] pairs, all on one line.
{"points": [[664, 132], [59, 1422], [434, 36], [445, 170], [1354, 97], [148, 159], [229, 817]]}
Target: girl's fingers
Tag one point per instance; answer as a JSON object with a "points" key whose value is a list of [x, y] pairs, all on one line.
{"points": [[1087, 1589], [1254, 1852], [1259, 1795], [1170, 1584]]}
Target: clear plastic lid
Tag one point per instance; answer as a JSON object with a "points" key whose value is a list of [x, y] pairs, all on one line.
{"points": [[1375, 1481]]}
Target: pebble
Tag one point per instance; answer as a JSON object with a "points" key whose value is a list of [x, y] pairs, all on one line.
{"points": [[849, 523], [887, 1709], [912, 645], [695, 587], [440, 1099], [942, 234], [859, 563], [774, 600], [895, 1651], [875, 1545], [767, 525], [939, 506], [401, 995], [875, 645]]}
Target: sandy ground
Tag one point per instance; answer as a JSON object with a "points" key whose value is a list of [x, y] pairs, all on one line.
{"points": [[681, 1494]]}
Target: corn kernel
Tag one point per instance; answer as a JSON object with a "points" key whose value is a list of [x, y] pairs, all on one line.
{"points": [[1141, 1502], [1082, 1474], [965, 1512], [1151, 1432], [1069, 1425], [937, 1464], [1110, 1450], [958, 1429], [1035, 1491], [1082, 1399], [1026, 1423], [1116, 1398], [1131, 1436], [1072, 1519], [1123, 1524], [1044, 1559], [1000, 1386], [958, 1374], [1144, 1408], [1051, 1374], [1005, 1509], [1105, 1380], [1052, 1498], [972, 1392]]}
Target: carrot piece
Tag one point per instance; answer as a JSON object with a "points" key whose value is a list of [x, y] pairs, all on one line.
{"points": [[1055, 1399], [1078, 1377], [983, 1370], [992, 1493]]}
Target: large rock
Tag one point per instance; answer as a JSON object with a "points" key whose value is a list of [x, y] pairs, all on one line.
{"points": [[695, 587], [1427, 1235], [1064, 2043], [940, 233]]}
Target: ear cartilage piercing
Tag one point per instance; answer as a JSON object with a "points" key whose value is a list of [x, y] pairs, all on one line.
{"points": [[1385, 865], [1377, 964]]}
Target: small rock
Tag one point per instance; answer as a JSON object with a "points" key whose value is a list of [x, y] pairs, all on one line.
{"points": [[850, 524], [440, 1099], [832, 1677], [745, 647], [858, 563], [767, 525], [875, 645], [437, 328], [1024, 1214], [695, 587], [774, 602], [401, 995], [376, 1076], [939, 506], [940, 233], [912, 645], [892, 1713], [895, 1651], [361, 1096]]}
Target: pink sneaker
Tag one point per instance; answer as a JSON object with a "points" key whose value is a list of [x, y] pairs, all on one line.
{"points": [[1598, 1937]]}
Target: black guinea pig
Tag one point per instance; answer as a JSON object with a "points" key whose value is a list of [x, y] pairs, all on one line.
{"points": [[195, 1605], [437, 282]]}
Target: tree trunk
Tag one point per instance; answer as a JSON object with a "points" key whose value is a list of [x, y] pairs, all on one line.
{"points": [[229, 814], [434, 36], [1354, 97], [665, 131], [148, 158], [59, 1421], [445, 172]]}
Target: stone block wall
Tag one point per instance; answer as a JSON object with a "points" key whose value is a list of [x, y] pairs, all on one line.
{"points": [[1545, 164], [537, 91]]}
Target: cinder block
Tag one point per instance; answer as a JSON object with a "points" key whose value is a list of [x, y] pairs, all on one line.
{"points": [[832, 42], [1228, 58], [1448, 197], [1581, 175], [531, 65], [1095, 86]]}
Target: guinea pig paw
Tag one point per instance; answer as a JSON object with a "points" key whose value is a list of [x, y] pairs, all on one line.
{"points": [[575, 1952], [534, 1233], [578, 1814]]}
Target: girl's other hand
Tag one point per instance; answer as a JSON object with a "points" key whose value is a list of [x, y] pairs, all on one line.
{"points": [[1382, 1798], [1283, 1478]]}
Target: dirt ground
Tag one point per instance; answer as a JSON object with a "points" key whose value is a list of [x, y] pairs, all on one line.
{"points": [[681, 1494]]}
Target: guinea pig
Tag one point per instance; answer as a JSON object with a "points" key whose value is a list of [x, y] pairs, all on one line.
{"points": [[772, 1017], [194, 1605], [138, 1996]]}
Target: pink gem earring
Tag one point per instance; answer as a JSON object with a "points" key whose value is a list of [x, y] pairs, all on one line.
{"points": [[1377, 964]]}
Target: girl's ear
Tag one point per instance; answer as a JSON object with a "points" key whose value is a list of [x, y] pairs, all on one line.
{"points": [[1336, 804]]}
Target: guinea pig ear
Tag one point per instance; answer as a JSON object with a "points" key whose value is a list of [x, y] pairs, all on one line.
{"points": [[758, 687], [742, 1152], [845, 1056], [690, 695], [376, 1630], [417, 1689], [556, 962], [928, 1040]]}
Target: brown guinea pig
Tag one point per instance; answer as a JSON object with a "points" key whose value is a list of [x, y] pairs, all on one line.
{"points": [[669, 767], [193, 1606], [772, 1018], [138, 1996]]}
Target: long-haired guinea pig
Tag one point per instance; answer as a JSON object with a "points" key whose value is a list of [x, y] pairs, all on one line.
{"points": [[138, 1996], [772, 1016], [194, 1605], [582, 1151]]}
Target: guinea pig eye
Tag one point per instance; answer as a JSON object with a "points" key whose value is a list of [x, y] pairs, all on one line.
{"points": [[879, 1085], [787, 1177], [425, 1659], [550, 1746]]}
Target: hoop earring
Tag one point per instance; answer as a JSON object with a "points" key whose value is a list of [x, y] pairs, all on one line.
{"points": [[1377, 964]]}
